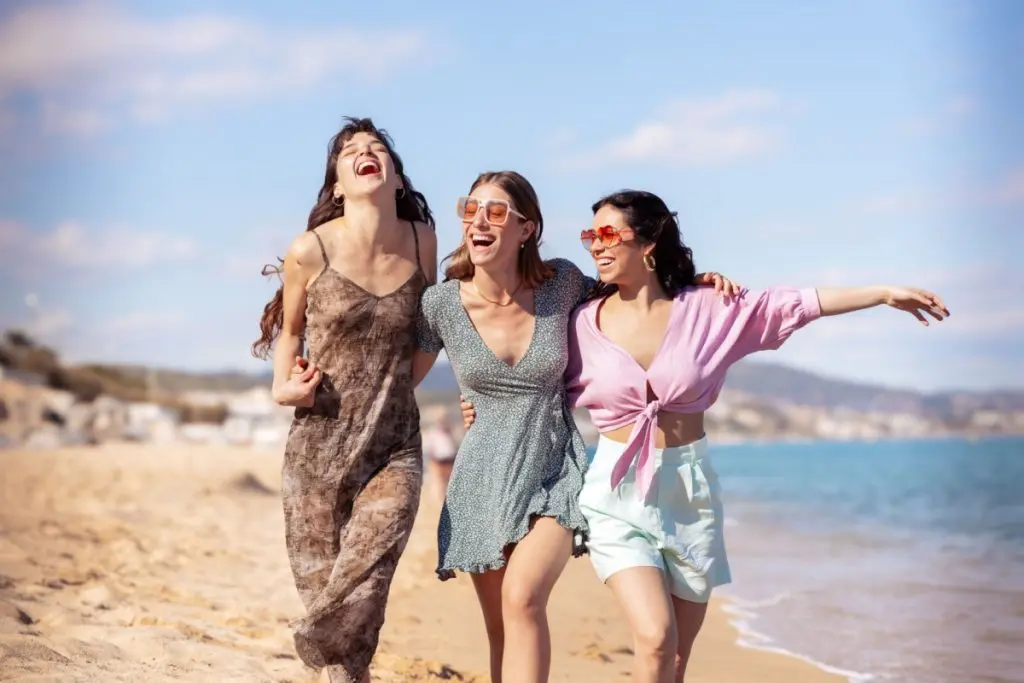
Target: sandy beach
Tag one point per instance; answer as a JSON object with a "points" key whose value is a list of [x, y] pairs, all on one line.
{"points": [[148, 564]]}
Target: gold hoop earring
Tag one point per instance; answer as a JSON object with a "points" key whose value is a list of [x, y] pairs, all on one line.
{"points": [[334, 200], [649, 261], [399, 193]]}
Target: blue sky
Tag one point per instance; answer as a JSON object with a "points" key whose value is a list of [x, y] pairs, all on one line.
{"points": [[156, 154]]}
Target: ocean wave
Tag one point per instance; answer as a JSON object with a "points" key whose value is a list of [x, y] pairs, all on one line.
{"points": [[742, 615]]}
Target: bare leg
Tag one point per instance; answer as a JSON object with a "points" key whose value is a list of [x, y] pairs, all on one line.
{"points": [[644, 597], [440, 473], [535, 564], [689, 619], [444, 474], [488, 592]]}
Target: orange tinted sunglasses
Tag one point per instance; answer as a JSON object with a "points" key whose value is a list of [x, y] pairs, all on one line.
{"points": [[496, 211], [607, 235]]}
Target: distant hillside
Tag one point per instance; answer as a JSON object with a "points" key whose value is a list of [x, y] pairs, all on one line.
{"points": [[780, 383], [799, 387], [770, 382], [176, 381]]}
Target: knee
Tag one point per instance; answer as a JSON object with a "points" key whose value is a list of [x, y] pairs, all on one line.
{"points": [[656, 641], [522, 603]]}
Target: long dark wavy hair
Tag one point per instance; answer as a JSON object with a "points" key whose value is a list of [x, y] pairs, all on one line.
{"points": [[411, 205], [652, 223]]}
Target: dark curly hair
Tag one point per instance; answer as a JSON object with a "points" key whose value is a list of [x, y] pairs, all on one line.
{"points": [[652, 223]]}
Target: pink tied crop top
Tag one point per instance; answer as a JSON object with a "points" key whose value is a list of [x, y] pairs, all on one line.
{"points": [[704, 337]]}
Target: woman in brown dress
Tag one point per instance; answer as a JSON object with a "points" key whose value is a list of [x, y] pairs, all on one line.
{"points": [[353, 464]]}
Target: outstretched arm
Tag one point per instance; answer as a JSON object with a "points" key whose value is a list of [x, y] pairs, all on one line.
{"points": [[917, 302], [762, 321]]}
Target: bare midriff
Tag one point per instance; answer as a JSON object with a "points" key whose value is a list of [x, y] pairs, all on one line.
{"points": [[673, 429]]}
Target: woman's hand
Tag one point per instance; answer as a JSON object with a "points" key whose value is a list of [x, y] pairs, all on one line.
{"points": [[916, 302], [468, 412], [299, 390], [722, 284]]}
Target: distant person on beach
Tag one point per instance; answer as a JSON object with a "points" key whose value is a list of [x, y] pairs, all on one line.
{"points": [[511, 517], [352, 464], [648, 355], [439, 449]]}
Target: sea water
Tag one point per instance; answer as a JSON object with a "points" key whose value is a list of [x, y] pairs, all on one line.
{"points": [[886, 561]]}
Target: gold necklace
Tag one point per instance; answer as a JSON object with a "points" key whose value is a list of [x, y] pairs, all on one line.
{"points": [[511, 296]]}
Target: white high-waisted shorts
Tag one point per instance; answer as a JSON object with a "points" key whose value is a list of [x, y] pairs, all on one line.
{"points": [[679, 530]]}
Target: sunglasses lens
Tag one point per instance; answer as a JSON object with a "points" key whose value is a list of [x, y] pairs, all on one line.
{"points": [[608, 235], [497, 213], [467, 208]]}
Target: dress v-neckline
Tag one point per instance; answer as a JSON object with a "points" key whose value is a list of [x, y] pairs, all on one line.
{"points": [[479, 337], [379, 297], [596, 311]]}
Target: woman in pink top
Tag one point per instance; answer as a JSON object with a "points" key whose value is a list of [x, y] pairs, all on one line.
{"points": [[648, 355]]}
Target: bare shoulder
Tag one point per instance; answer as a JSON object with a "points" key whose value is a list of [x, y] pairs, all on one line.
{"points": [[305, 251], [426, 235]]}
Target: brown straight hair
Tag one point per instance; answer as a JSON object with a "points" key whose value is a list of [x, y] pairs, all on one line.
{"points": [[532, 268]]}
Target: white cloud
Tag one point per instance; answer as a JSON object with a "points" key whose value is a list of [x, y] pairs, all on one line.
{"points": [[951, 114], [71, 245], [1006, 191], [47, 324], [142, 322], [10, 234], [698, 132], [80, 338], [264, 244], [86, 64], [1010, 190], [74, 121]]}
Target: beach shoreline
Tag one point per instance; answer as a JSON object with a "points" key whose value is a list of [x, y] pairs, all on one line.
{"points": [[166, 563]]}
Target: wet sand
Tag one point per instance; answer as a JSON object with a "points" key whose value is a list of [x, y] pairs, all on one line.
{"points": [[151, 564]]}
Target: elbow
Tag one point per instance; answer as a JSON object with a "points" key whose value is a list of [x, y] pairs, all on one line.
{"points": [[279, 399]]}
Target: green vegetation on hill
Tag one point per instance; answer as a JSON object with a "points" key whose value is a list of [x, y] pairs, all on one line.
{"points": [[770, 383], [175, 381], [21, 354]]}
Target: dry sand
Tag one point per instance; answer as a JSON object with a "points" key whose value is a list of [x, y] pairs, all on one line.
{"points": [[148, 564]]}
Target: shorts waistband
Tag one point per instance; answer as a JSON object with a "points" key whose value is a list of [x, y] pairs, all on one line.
{"points": [[688, 452]]}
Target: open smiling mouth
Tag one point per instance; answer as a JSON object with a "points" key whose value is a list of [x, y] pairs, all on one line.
{"points": [[482, 240], [368, 167]]}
